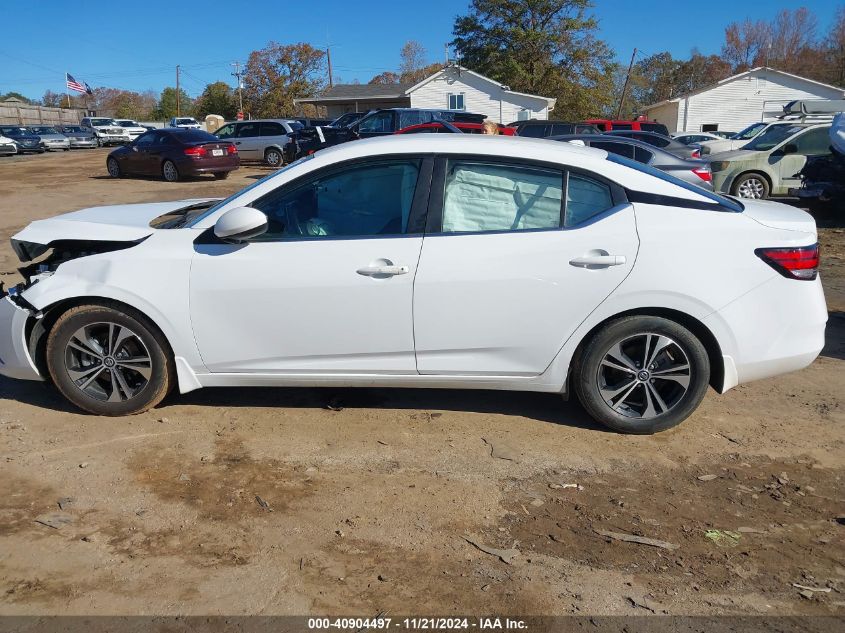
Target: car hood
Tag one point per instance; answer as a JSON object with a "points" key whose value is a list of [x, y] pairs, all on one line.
{"points": [[735, 155], [115, 223], [53, 137]]}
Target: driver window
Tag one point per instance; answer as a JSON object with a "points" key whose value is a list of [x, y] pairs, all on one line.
{"points": [[377, 123], [227, 131], [373, 199]]}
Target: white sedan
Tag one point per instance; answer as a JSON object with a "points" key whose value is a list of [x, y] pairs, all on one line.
{"points": [[449, 261]]}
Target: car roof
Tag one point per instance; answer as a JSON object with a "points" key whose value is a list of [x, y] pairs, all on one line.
{"points": [[664, 156]]}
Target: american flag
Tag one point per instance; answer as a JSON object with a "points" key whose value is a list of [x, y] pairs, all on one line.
{"points": [[75, 85]]}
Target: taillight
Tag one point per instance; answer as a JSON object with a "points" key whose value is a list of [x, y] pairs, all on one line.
{"points": [[795, 263], [231, 150], [696, 153], [196, 152], [704, 173]]}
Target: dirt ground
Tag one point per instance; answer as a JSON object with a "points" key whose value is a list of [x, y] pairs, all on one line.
{"points": [[256, 501]]}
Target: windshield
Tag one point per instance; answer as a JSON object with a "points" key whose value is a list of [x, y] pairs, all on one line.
{"points": [[13, 131], [99, 122], [46, 130], [127, 123], [775, 135], [724, 202], [748, 133], [222, 203], [73, 128], [186, 122]]}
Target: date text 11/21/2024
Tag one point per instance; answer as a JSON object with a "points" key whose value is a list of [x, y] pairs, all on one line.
{"points": [[419, 624]]}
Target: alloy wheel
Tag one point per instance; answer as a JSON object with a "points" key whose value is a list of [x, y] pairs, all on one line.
{"points": [[273, 158], [113, 167], [644, 375], [108, 362], [751, 188], [170, 172]]}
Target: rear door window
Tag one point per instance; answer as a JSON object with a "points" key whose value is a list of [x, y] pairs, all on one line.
{"points": [[481, 196], [611, 147], [814, 142], [585, 198], [561, 128], [642, 155], [533, 131], [272, 128]]}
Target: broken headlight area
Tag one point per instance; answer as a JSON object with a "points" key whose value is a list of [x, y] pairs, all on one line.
{"points": [[55, 254]]}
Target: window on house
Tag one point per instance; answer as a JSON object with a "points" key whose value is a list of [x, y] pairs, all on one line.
{"points": [[456, 101], [523, 115]]}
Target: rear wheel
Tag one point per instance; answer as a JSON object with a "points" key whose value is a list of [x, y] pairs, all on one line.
{"points": [[114, 168], [752, 186], [108, 361], [273, 157], [642, 374], [221, 175], [169, 171]]}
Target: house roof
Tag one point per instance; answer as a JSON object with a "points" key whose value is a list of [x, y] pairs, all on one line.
{"points": [[738, 76], [373, 92]]}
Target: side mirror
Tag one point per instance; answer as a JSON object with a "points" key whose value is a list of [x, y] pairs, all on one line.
{"points": [[240, 224], [789, 148]]}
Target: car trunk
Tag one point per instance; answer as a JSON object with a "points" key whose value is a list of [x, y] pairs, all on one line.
{"points": [[780, 216]]}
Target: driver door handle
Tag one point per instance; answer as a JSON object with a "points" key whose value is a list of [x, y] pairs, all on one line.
{"points": [[382, 271], [598, 260]]}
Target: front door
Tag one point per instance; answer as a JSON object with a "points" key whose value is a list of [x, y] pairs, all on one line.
{"points": [[810, 143], [329, 287], [248, 140], [518, 257]]}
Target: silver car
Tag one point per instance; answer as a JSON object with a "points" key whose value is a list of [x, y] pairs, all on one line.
{"points": [[695, 172], [51, 138], [262, 139], [79, 136]]}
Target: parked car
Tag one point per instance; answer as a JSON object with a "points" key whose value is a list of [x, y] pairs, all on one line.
{"points": [[79, 136], [737, 140], [437, 127], [174, 153], [536, 128], [665, 143], [692, 171], [7, 146], [694, 138], [106, 131], [132, 128], [375, 123], [606, 125], [458, 275], [187, 122], [51, 138], [262, 139], [770, 164], [25, 142]]}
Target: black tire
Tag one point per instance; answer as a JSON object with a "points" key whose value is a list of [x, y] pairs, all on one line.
{"points": [[591, 374], [135, 393], [221, 175], [169, 171], [274, 158], [753, 186], [113, 167]]}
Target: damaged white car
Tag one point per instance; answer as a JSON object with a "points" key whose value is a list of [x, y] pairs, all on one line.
{"points": [[445, 261]]}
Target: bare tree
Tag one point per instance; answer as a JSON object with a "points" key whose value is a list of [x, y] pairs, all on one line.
{"points": [[793, 34], [413, 56], [745, 44]]}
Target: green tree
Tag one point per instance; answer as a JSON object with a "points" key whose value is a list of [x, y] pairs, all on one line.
{"points": [[15, 95], [277, 74], [217, 98], [544, 47], [166, 107]]}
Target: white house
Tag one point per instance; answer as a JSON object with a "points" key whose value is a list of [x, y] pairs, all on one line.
{"points": [[734, 103], [452, 88]]}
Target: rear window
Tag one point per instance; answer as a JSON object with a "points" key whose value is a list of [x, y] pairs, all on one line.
{"points": [[655, 127], [725, 202], [193, 136]]}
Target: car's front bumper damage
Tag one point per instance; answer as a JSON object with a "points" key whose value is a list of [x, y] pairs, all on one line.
{"points": [[15, 358]]}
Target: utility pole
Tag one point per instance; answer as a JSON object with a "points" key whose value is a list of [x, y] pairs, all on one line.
{"points": [[446, 52], [329, 60], [625, 85], [177, 90], [237, 74]]}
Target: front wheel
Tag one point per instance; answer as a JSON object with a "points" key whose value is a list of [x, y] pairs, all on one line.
{"points": [[221, 175], [642, 374], [751, 186], [169, 171], [108, 361]]}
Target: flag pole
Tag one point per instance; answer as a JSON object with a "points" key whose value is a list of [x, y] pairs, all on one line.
{"points": [[67, 92]]}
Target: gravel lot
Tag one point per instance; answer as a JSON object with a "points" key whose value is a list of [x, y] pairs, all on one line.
{"points": [[372, 507]]}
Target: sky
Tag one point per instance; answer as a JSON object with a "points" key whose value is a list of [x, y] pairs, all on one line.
{"points": [[107, 43]]}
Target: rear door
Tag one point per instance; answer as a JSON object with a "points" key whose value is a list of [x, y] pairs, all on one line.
{"points": [[273, 133], [504, 276]]}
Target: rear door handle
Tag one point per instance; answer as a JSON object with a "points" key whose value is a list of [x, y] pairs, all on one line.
{"points": [[382, 271], [589, 261]]}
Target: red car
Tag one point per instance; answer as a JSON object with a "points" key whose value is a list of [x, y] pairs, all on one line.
{"points": [[174, 153], [605, 125], [467, 128]]}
